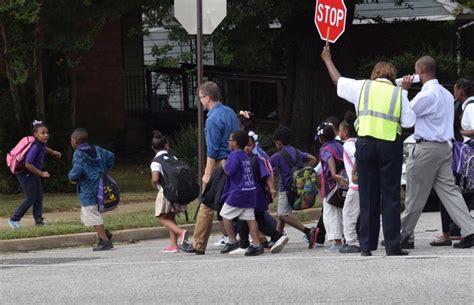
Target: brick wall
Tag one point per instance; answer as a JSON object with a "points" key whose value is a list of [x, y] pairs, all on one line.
{"points": [[100, 77]]}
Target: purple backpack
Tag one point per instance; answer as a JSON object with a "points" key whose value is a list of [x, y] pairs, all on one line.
{"points": [[463, 166]]}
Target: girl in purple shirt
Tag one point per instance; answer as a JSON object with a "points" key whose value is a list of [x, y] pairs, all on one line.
{"points": [[329, 152], [239, 194], [30, 178]]}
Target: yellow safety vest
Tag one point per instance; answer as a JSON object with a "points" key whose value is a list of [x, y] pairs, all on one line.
{"points": [[379, 110]]}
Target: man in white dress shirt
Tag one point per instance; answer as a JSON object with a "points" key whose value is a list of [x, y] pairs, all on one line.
{"points": [[429, 163]]}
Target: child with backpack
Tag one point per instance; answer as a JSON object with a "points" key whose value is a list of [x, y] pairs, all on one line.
{"points": [[351, 209], [26, 162], [89, 164], [331, 154], [165, 210], [240, 193], [263, 175], [283, 138]]}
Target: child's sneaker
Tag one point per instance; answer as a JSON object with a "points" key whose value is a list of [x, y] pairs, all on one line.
{"points": [[279, 244], [182, 238], [103, 245], [230, 247], [333, 248], [238, 251], [221, 241], [14, 224], [254, 251], [170, 249]]}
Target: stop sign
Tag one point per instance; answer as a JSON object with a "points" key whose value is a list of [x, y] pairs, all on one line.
{"points": [[330, 18]]}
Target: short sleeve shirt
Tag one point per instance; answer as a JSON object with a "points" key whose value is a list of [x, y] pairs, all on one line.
{"points": [[36, 154], [278, 162], [240, 190]]}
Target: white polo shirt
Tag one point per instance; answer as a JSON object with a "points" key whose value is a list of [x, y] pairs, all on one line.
{"points": [[350, 90], [467, 120]]}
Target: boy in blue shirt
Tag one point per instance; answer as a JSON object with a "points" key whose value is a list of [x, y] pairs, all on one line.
{"points": [[89, 163], [239, 194]]}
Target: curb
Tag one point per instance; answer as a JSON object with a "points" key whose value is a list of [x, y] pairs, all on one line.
{"points": [[123, 236]]}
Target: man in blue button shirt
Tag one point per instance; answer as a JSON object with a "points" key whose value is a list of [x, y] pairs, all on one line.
{"points": [[220, 123]]}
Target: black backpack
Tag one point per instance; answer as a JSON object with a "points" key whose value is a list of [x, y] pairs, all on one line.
{"points": [[296, 166], [178, 180]]}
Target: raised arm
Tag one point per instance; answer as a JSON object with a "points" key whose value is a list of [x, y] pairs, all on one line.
{"points": [[327, 59]]}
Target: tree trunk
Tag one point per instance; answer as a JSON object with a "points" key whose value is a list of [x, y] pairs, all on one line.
{"points": [[14, 90], [38, 71], [73, 84], [311, 95]]}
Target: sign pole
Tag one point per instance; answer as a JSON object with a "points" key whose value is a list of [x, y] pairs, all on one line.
{"points": [[200, 76]]}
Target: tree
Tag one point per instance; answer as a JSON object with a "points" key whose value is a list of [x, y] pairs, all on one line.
{"points": [[37, 35]]}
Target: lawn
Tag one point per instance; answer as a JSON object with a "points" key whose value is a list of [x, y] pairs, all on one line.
{"points": [[113, 222], [134, 182]]}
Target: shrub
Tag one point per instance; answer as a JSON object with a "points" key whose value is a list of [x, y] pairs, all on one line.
{"points": [[184, 145]]}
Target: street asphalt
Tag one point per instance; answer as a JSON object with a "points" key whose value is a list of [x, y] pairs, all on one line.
{"points": [[139, 274]]}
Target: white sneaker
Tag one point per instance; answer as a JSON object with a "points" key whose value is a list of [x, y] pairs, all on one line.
{"points": [[238, 251], [221, 241], [279, 244]]}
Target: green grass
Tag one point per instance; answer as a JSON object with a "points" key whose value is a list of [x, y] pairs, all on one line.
{"points": [[132, 220], [66, 202], [134, 182]]}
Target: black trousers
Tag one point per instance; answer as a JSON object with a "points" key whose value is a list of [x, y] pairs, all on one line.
{"points": [[266, 224], [379, 167], [447, 223]]}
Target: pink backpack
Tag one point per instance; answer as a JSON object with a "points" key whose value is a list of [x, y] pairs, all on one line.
{"points": [[16, 157]]}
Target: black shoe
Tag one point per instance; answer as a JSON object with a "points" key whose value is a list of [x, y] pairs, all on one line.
{"points": [[403, 245], [254, 251], [265, 245], [467, 242], [199, 252], [229, 247], [350, 249], [368, 253], [109, 234], [103, 245], [398, 252], [407, 245], [188, 248], [441, 242]]}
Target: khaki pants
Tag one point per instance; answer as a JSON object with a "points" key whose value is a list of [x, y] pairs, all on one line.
{"points": [[203, 227]]}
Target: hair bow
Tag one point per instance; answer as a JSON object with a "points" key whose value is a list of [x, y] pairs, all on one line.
{"points": [[253, 135], [36, 122], [245, 114]]}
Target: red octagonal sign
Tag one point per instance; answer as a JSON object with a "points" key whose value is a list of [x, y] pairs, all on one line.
{"points": [[330, 19]]}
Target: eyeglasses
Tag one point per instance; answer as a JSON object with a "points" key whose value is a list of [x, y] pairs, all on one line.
{"points": [[231, 140], [202, 96]]}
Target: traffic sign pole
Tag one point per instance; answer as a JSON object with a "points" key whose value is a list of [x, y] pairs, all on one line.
{"points": [[200, 76]]}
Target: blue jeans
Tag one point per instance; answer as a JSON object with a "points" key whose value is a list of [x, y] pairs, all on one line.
{"points": [[33, 189]]}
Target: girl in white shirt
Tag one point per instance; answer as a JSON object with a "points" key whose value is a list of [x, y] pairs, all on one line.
{"points": [[165, 211], [351, 209]]}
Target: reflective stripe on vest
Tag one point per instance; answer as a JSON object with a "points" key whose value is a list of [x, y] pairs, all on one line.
{"points": [[376, 117]]}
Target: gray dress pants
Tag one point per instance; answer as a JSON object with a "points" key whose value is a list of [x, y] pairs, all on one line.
{"points": [[429, 166]]}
